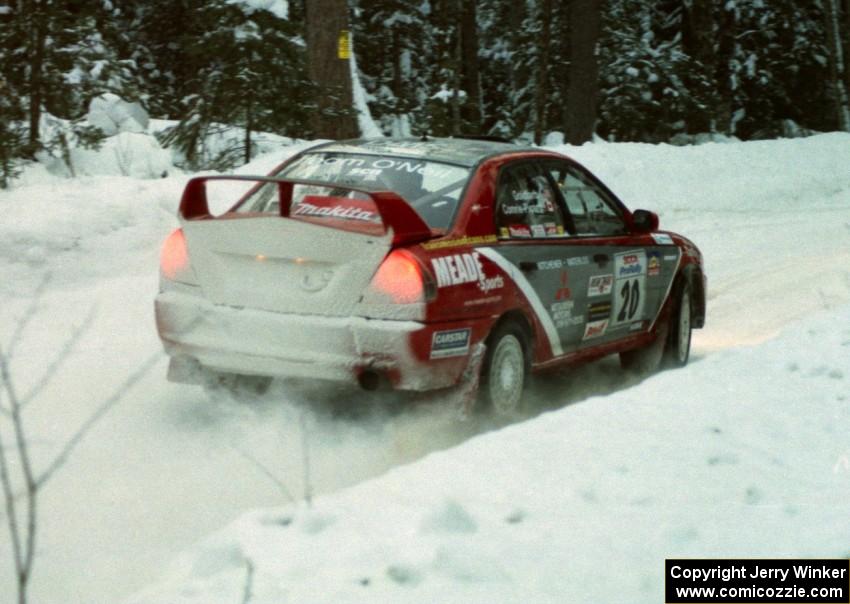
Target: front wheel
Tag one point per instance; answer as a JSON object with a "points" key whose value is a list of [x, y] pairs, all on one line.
{"points": [[677, 350], [504, 373]]}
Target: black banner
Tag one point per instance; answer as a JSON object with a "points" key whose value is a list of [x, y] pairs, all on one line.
{"points": [[757, 581]]}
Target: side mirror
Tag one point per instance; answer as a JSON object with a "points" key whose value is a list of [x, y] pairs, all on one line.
{"points": [[644, 221]]}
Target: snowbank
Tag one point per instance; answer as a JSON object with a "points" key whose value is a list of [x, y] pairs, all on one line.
{"points": [[744, 454]]}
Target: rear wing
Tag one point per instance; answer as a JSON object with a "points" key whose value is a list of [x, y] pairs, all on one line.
{"points": [[398, 217]]}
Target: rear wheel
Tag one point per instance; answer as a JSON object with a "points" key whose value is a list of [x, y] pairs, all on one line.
{"points": [[504, 374]]}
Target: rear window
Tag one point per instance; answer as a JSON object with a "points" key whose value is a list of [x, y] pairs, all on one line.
{"points": [[432, 188]]}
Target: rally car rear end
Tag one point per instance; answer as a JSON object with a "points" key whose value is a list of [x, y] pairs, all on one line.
{"points": [[272, 295]]}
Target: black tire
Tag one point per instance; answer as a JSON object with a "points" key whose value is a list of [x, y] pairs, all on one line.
{"points": [[672, 347], [505, 371], [677, 349]]}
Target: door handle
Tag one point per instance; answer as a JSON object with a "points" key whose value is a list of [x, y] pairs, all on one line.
{"points": [[601, 259], [527, 266]]}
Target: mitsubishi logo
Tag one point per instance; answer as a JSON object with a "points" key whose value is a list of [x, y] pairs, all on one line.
{"points": [[314, 281]]}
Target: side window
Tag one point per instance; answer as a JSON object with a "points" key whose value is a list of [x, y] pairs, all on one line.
{"points": [[526, 204], [591, 211]]}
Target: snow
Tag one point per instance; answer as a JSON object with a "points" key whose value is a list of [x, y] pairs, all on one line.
{"points": [[368, 127], [112, 115], [279, 8], [744, 465], [743, 453]]}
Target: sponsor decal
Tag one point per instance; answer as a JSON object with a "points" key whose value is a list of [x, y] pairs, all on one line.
{"points": [[598, 311], [600, 285], [538, 230], [462, 241], [481, 301], [671, 258], [451, 343], [504, 232], [458, 269], [552, 229], [546, 265], [308, 209], [578, 261], [562, 314], [630, 270], [630, 264], [519, 230], [662, 239], [563, 292], [595, 329], [653, 266]]}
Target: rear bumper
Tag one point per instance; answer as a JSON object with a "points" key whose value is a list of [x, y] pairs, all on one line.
{"points": [[256, 342]]}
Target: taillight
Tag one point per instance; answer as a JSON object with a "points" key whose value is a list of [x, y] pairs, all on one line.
{"points": [[174, 260], [401, 279]]}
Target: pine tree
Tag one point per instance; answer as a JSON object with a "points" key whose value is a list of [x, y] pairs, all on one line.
{"points": [[254, 80]]}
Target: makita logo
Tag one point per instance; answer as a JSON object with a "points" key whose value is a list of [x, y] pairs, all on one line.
{"points": [[308, 209], [458, 269]]}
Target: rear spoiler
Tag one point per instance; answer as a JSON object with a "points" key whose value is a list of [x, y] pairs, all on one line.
{"points": [[397, 215]]}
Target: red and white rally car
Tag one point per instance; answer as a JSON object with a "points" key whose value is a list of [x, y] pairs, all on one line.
{"points": [[418, 264]]}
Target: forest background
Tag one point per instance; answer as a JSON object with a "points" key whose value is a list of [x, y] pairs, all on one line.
{"points": [[621, 70]]}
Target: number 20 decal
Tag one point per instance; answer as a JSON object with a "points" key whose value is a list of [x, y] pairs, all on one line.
{"points": [[630, 300]]}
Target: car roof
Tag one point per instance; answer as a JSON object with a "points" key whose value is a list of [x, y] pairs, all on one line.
{"points": [[462, 151]]}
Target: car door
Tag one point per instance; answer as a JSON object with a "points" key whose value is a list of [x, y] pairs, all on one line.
{"points": [[532, 227], [627, 281]]}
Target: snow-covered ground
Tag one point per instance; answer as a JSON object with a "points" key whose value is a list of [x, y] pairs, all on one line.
{"points": [[744, 453]]}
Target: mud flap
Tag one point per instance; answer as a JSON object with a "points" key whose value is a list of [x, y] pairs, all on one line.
{"points": [[462, 397]]}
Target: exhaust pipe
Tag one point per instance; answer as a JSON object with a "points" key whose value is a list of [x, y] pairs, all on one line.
{"points": [[369, 380]]}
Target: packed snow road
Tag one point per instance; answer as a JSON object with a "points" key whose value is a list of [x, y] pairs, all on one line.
{"points": [[165, 467]]}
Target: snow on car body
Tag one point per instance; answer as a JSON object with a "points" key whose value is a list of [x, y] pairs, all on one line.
{"points": [[393, 261]]}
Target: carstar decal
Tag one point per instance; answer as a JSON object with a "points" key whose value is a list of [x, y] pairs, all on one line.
{"points": [[451, 343], [458, 269]]}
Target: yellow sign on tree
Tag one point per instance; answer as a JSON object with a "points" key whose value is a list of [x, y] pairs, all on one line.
{"points": [[344, 46]]}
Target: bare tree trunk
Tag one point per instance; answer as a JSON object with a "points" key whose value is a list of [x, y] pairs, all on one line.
{"points": [[585, 18], [846, 35], [698, 43], [727, 30], [457, 66], [472, 111], [542, 91], [37, 38], [327, 22], [836, 65]]}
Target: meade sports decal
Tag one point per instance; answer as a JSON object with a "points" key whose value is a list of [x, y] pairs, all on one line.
{"points": [[458, 269], [600, 285], [629, 287], [451, 343]]}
